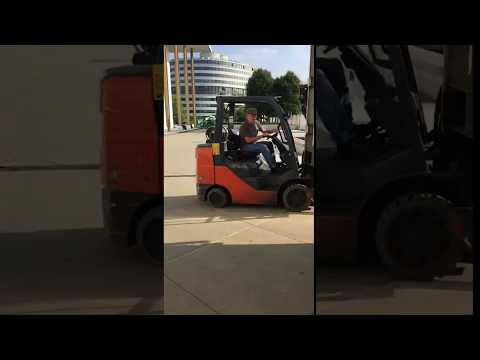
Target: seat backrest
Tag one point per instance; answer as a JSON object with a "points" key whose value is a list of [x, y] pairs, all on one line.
{"points": [[369, 76], [234, 141], [335, 73]]}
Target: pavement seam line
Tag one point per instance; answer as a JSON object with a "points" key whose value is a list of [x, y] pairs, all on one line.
{"points": [[189, 252], [205, 245], [192, 294], [235, 233], [273, 232]]}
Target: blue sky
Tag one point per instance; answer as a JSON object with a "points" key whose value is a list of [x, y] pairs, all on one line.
{"points": [[278, 59]]}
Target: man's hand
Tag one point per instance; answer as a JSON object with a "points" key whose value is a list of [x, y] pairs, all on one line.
{"points": [[272, 134], [253, 140]]}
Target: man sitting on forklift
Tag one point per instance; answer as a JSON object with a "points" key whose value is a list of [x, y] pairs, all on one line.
{"points": [[250, 138]]}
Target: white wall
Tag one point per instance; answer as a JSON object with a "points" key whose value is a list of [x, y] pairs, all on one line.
{"points": [[49, 101], [49, 114], [298, 122]]}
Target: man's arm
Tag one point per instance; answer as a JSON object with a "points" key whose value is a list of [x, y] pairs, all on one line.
{"points": [[253, 139], [260, 128], [266, 132]]}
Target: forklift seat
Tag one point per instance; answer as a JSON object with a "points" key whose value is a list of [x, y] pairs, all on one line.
{"points": [[335, 73], [368, 74], [234, 144]]}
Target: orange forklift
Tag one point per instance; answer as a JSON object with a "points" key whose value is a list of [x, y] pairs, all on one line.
{"points": [[132, 168], [227, 175]]}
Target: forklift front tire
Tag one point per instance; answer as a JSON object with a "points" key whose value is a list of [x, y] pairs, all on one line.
{"points": [[415, 239], [218, 197], [296, 197]]}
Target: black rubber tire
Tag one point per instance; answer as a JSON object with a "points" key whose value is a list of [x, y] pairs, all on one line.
{"points": [[149, 235], [415, 238], [218, 197], [296, 197]]}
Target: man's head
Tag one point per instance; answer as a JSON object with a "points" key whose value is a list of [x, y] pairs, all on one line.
{"points": [[251, 115]]}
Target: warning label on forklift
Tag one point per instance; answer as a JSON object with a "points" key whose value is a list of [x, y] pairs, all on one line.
{"points": [[216, 149], [158, 81]]}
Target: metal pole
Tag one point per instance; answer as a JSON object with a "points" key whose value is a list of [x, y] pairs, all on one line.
{"points": [[177, 86], [185, 77], [166, 88], [194, 99]]}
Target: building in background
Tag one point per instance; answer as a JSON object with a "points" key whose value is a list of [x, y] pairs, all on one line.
{"points": [[214, 75]]}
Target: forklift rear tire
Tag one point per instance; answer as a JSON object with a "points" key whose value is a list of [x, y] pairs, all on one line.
{"points": [[149, 235], [296, 197], [415, 237], [218, 197]]}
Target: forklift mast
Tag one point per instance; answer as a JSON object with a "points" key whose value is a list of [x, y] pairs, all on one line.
{"points": [[308, 161], [456, 103]]}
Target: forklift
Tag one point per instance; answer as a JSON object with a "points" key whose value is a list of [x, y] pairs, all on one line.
{"points": [[227, 175], [389, 201], [132, 166]]}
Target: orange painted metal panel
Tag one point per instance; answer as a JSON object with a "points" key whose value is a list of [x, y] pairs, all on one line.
{"points": [[241, 192], [205, 166], [133, 148]]}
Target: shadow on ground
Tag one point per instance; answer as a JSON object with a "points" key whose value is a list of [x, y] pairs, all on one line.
{"points": [[337, 284], [244, 278], [190, 207], [75, 267]]}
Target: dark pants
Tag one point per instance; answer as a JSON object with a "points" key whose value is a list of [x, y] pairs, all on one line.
{"points": [[269, 145], [263, 149]]}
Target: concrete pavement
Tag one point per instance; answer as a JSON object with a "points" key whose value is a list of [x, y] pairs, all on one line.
{"points": [[237, 260], [353, 290], [75, 272]]}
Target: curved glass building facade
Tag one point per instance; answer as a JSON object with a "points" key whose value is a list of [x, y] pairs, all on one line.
{"points": [[215, 75]]}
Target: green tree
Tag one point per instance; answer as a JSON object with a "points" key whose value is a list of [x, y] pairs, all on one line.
{"points": [[240, 114], [260, 84], [288, 88]]}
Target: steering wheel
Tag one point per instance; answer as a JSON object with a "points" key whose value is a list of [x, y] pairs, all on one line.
{"points": [[279, 143], [224, 133], [280, 135]]}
